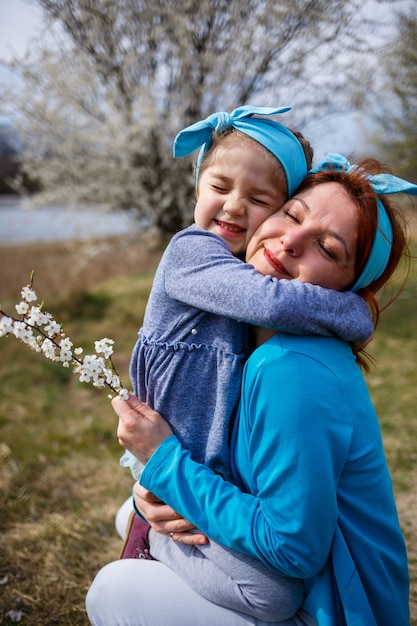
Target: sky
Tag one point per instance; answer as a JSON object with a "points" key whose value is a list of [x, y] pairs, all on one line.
{"points": [[20, 21]]}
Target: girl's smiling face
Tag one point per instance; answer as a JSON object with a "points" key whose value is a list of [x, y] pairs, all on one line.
{"points": [[238, 189], [312, 238]]}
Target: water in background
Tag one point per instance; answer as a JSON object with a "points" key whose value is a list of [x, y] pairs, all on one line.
{"points": [[21, 225]]}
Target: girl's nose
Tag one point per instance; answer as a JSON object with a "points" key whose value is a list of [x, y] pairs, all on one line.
{"points": [[234, 204]]}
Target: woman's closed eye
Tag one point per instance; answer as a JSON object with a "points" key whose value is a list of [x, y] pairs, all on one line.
{"points": [[291, 215], [325, 248], [329, 252]]}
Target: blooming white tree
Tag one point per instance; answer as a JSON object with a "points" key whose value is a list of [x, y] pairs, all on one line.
{"points": [[98, 110]]}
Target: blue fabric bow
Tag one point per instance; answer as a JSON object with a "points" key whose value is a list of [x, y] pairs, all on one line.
{"points": [[275, 137], [382, 184]]}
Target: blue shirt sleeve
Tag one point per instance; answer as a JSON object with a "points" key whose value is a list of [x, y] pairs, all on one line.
{"points": [[201, 271]]}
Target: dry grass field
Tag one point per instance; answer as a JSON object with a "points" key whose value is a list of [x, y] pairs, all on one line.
{"points": [[60, 482], [71, 266]]}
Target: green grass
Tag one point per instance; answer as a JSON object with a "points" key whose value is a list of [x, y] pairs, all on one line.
{"points": [[60, 482], [393, 383]]}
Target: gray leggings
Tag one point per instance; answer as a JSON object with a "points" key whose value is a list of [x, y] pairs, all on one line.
{"points": [[230, 579], [225, 577]]}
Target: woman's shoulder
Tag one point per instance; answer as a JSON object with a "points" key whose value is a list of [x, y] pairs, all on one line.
{"points": [[304, 372], [306, 344], [315, 352]]}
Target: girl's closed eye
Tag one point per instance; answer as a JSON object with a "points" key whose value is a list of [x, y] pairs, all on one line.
{"points": [[259, 201], [219, 188]]}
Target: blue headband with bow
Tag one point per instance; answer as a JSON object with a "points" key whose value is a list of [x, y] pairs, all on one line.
{"points": [[280, 141], [382, 184]]}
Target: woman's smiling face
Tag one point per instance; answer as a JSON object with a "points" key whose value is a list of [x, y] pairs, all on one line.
{"points": [[312, 238]]}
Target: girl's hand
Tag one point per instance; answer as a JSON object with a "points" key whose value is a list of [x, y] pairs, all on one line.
{"points": [[141, 429], [164, 519]]}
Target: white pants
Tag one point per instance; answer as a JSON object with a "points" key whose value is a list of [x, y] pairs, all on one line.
{"points": [[135, 592]]}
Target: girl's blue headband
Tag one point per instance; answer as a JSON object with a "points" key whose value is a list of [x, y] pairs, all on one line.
{"points": [[280, 141], [382, 184]]}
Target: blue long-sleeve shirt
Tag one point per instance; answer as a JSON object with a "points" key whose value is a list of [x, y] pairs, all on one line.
{"points": [[188, 360], [312, 496]]}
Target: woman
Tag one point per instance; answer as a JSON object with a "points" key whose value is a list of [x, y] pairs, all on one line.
{"points": [[313, 496]]}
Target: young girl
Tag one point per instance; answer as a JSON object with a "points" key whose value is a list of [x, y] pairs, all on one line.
{"points": [[189, 357]]}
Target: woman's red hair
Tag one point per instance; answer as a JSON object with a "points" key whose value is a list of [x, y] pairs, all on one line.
{"points": [[359, 189]]}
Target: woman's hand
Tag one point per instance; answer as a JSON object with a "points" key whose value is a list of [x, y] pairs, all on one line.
{"points": [[164, 519], [141, 429]]}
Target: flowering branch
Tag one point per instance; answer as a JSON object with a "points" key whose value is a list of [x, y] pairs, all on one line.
{"points": [[38, 329]]}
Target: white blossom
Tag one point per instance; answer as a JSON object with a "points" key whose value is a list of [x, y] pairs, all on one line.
{"points": [[104, 346], [6, 325], [124, 394], [84, 378], [41, 333], [65, 355], [22, 308], [66, 344], [21, 331], [48, 349], [36, 316], [47, 317], [34, 344], [92, 364], [28, 294], [113, 380], [52, 328]]}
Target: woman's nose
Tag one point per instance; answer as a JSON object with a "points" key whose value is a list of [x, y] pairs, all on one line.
{"points": [[292, 242]]}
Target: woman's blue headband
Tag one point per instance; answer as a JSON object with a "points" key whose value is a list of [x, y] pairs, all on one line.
{"points": [[382, 184], [280, 141]]}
